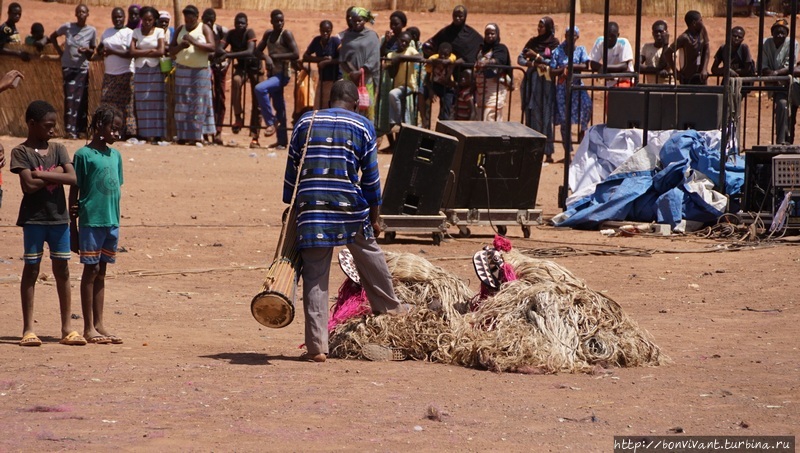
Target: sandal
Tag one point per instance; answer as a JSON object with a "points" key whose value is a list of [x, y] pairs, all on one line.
{"points": [[115, 339], [378, 353], [99, 339], [254, 144], [30, 339], [73, 339], [269, 131], [319, 358], [237, 126]]}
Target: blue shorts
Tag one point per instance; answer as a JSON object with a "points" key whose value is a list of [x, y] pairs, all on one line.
{"points": [[57, 238], [98, 244]]}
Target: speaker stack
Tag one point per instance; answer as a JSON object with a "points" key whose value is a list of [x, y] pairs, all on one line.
{"points": [[419, 171], [698, 111], [478, 173], [497, 165]]}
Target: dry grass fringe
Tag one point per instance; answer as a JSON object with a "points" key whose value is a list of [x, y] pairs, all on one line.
{"points": [[548, 320], [420, 283]]}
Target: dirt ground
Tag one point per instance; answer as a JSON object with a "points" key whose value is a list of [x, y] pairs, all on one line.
{"points": [[196, 372]]}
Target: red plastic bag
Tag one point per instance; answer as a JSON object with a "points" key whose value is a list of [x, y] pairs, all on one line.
{"points": [[363, 93]]}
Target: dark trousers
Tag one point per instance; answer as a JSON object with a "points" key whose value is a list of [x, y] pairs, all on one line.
{"points": [[237, 82], [76, 99], [447, 98], [219, 74]]}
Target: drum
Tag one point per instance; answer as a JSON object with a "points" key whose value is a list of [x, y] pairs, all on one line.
{"points": [[273, 306]]}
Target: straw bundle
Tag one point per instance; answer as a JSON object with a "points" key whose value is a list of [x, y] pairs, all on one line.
{"points": [[43, 81], [547, 320], [420, 283]]}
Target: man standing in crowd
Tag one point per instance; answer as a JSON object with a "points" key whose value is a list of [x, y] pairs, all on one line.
{"points": [[620, 55], [219, 70], [9, 33], [654, 68], [693, 44], [775, 62]]}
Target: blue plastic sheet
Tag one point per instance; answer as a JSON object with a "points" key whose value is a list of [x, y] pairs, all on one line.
{"points": [[681, 187]]}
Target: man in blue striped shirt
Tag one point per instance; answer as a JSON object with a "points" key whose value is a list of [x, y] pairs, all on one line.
{"points": [[335, 207]]}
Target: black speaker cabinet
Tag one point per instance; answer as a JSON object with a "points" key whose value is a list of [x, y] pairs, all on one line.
{"points": [[698, 111], [626, 110], [419, 171], [497, 165]]}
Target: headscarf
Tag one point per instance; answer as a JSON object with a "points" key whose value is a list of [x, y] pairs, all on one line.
{"points": [[496, 51], [465, 40], [493, 26], [365, 13], [548, 40], [486, 47]]}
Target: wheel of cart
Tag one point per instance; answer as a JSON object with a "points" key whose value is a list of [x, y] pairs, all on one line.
{"points": [[464, 232], [390, 236], [526, 231], [502, 230], [437, 237]]}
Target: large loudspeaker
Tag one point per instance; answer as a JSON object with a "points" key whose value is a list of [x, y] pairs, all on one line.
{"points": [[626, 110], [698, 111], [497, 165], [419, 171]]}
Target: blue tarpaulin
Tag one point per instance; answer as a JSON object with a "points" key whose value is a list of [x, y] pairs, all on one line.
{"points": [[680, 185]]}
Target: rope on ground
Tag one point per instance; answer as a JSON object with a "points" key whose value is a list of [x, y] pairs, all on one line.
{"points": [[151, 273]]}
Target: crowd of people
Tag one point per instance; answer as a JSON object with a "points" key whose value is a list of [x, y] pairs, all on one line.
{"points": [[399, 75]]}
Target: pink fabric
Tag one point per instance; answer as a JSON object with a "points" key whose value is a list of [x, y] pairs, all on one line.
{"points": [[508, 273], [501, 243], [351, 302]]}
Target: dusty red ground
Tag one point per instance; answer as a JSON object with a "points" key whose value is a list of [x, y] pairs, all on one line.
{"points": [[196, 372]]}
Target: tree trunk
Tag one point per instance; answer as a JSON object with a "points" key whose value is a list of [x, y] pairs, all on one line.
{"points": [[176, 5]]}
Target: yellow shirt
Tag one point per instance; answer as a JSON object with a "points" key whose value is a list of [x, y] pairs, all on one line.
{"points": [[191, 56], [406, 70]]}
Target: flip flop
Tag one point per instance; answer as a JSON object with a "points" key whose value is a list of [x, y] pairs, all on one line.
{"points": [[99, 339], [306, 357], [73, 339], [114, 339], [30, 339], [237, 126], [269, 131]]}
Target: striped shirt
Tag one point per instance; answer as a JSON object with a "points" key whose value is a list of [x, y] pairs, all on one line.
{"points": [[332, 203]]}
